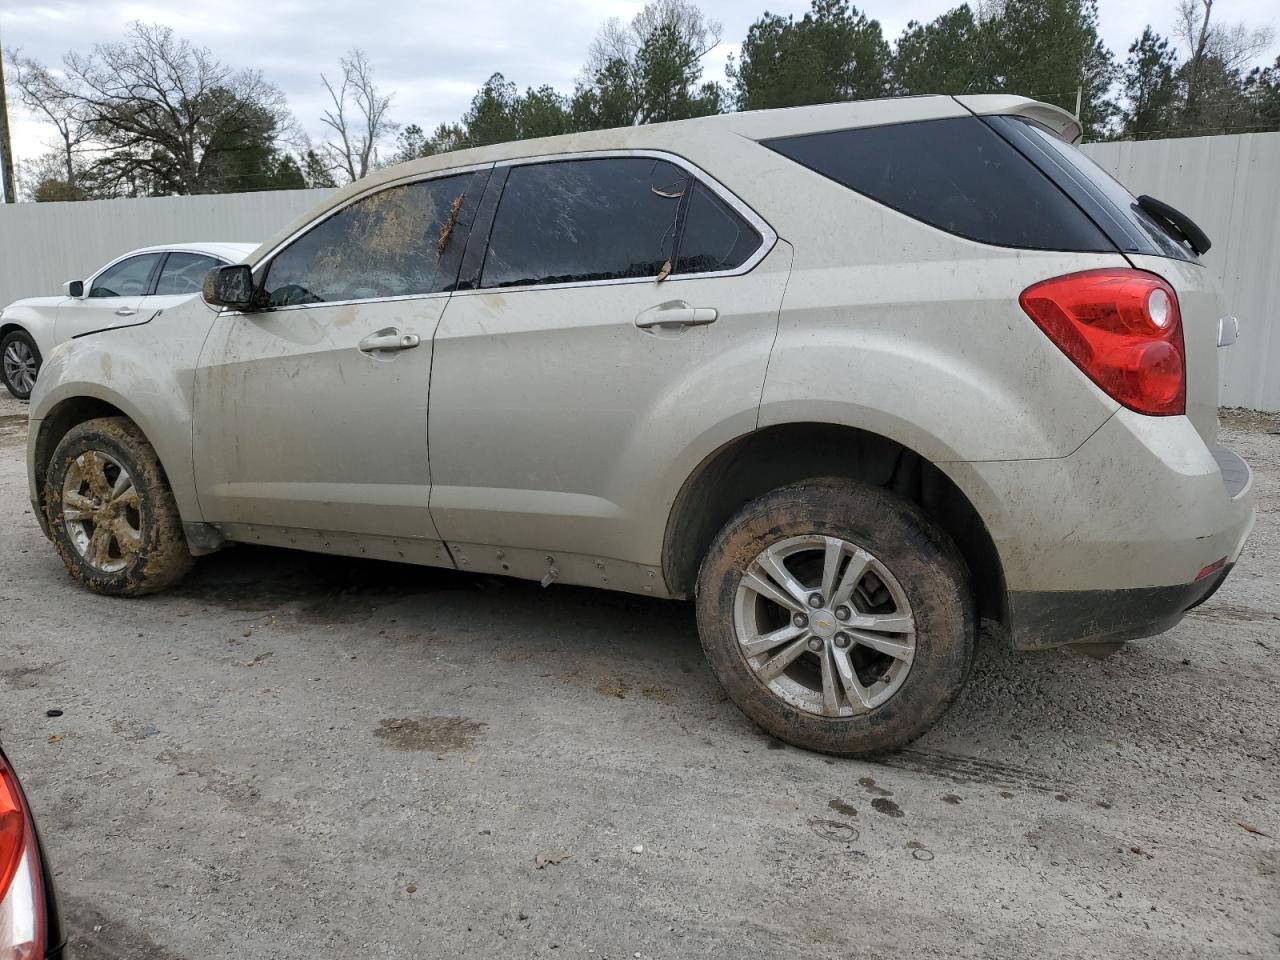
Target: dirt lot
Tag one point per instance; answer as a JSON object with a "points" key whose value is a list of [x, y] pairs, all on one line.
{"points": [[291, 756]]}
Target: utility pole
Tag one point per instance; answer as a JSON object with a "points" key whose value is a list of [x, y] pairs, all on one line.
{"points": [[6, 145]]}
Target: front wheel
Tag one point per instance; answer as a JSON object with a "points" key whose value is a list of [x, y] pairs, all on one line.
{"points": [[19, 363], [837, 616], [111, 513]]}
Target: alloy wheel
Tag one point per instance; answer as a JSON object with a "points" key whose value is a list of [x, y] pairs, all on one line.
{"points": [[20, 366], [102, 511], [824, 625]]}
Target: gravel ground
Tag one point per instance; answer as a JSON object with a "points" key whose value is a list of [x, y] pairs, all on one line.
{"points": [[294, 756]]}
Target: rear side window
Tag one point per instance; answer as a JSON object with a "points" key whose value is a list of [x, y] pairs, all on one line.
{"points": [[578, 220], [715, 236], [956, 174], [184, 273]]}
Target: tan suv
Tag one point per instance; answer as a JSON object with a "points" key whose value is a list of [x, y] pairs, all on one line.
{"points": [[855, 377]]}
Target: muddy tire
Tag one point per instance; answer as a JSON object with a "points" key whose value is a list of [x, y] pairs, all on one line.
{"points": [[837, 616], [19, 363], [111, 513]]}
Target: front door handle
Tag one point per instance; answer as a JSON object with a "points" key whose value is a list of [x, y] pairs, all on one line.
{"points": [[677, 314], [389, 339], [126, 312]]}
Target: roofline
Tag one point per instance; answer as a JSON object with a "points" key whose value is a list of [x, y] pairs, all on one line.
{"points": [[750, 124]]}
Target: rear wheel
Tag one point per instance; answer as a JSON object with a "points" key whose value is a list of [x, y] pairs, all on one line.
{"points": [[19, 363], [111, 513], [838, 616]]}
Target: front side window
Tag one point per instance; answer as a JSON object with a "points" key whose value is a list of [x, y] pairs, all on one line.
{"points": [[956, 174], [569, 221], [128, 278], [184, 273], [402, 241]]}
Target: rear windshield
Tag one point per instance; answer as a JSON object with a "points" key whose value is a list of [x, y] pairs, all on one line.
{"points": [[1111, 206], [956, 174]]}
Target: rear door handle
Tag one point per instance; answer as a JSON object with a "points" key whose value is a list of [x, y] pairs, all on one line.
{"points": [[677, 315], [126, 312], [390, 339]]}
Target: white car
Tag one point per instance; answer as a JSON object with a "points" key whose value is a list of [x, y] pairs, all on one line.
{"points": [[130, 289]]}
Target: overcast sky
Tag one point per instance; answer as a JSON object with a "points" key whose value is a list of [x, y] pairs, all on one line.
{"points": [[434, 54]]}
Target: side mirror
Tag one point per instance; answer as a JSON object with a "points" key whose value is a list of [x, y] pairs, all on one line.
{"points": [[230, 287], [74, 288]]}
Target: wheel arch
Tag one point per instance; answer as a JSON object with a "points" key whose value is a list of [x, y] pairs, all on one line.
{"points": [[64, 415], [770, 457], [9, 326]]}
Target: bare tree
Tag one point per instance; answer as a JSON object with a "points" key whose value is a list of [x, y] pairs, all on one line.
{"points": [[43, 93], [166, 117], [1232, 46], [648, 68], [358, 118], [622, 42]]}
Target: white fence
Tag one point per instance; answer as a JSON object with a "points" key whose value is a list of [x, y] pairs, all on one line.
{"points": [[42, 245], [1230, 185]]}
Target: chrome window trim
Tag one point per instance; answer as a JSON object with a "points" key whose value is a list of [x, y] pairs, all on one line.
{"points": [[768, 237], [347, 303]]}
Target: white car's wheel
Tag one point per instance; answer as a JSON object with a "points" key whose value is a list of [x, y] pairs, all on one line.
{"points": [[19, 363]]}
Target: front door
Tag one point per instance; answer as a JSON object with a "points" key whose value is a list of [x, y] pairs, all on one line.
{"points": [[311, 414], [593, 353], [114, 298]]}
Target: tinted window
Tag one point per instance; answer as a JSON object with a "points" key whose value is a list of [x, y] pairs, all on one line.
{"points": [[577, 220], [1113, 207], [128, 278], [715, 237], [401, 241], [184, 273], [956, 174]]}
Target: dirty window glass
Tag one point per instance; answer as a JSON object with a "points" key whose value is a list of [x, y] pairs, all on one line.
{"points": [[128, 278], [395, 243], [715, 236], [956, 174], [184, 273], [579, 220]]}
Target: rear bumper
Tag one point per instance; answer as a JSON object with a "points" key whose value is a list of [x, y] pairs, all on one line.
{"points": [[1110, 543], [1039, 620]]}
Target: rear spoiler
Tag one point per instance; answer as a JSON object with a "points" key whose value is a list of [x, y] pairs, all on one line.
{"points": [[1055, 118]]}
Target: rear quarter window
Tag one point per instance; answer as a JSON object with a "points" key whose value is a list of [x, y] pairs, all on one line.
{"points": [[1106, 200], [955, 174]]}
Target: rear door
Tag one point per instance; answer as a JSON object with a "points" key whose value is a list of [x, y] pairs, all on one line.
{"points": [[181, 276], [592, 352]]}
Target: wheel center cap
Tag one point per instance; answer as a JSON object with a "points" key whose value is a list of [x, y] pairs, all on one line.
{"points": [[823, 624]]}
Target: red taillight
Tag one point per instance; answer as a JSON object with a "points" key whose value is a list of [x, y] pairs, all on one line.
{"points": [[1123, 329], [22, 921]]}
